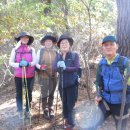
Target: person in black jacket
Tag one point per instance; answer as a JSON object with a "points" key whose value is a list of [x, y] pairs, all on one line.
{"points": [[67, 64]]}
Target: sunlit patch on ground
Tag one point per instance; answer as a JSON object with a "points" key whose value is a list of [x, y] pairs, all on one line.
{"points": [[87, 114]]}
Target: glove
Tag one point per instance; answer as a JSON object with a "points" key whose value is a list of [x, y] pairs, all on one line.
{"points": [[43, 67], [61, 64], [23, 63], [58, 64]]}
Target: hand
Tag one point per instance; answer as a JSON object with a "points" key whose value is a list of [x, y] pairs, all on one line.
{"points": [[61, 64], [23, 63], [98, 99], [43, 67]]}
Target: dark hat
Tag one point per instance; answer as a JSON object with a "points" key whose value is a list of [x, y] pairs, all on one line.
{"points": [[48, 37], [65, 36], [22, 34], [109, 38]]}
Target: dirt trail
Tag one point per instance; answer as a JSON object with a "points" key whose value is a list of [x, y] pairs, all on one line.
{"points": [[9, 118]]}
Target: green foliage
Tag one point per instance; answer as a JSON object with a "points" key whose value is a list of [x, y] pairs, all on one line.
{"points": [[3, 58], [29, 15]]}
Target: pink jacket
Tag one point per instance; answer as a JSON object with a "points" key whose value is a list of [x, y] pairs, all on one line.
{"points": [[24, 52]]}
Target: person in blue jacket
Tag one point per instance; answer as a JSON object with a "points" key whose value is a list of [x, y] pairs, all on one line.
{"points": [[67, 63], [110, 82]]}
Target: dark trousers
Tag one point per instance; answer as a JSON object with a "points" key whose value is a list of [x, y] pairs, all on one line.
{"points": [[115, 112], [19, 94], [68, 96]]}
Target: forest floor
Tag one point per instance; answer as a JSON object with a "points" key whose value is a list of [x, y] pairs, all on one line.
{"points": [[85, 109]]}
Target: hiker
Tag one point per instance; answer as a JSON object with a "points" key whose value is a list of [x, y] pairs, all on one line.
{"points": [[47, 78], [67, 63], [109, 82], [23, 56]]}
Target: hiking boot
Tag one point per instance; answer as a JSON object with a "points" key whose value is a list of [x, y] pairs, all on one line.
{"points": [[46, 114], [51, 113], [27, 114]]}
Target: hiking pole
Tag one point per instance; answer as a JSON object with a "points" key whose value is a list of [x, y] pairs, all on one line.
{"points": [[122, 103], [56, 102], [61, 77], [27, 95], [49, 89], [39, 105], [22, 96], [57, 92]]}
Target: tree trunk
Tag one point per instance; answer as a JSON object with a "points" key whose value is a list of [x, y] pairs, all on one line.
{"points": [[123, 27], [66, 15], [5, 2], [47, 10], [46, 1]]}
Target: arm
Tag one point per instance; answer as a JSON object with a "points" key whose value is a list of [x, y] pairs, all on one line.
{"points": [[98, 84], [12, 60], [98, 81]]}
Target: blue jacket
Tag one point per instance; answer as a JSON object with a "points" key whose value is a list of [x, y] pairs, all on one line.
{"points": [[112, 86], [70, 76]]}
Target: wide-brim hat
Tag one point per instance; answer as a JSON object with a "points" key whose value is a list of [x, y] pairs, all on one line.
{"points": [[109, 38], [22, 34], [48, 37], [64, 36]]}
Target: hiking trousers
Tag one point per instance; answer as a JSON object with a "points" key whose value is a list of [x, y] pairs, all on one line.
{"points": [[114, 110], [48, 87], [19, 85], [69, 97]]}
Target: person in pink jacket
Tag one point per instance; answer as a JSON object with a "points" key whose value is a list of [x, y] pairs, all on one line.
{"points": [[23, 56]]}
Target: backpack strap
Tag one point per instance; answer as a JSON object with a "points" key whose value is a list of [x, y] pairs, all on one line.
{"points": [[122, 62]]}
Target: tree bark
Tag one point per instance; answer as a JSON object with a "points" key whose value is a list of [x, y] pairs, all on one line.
{"points": [[47, 10], [66, 14], [5, 2], [123, 27], [47, 1]]}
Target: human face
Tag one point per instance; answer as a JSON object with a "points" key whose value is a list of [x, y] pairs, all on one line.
{"points": [[24, 39], [109, 49], [48, 43], [64, 45]]}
